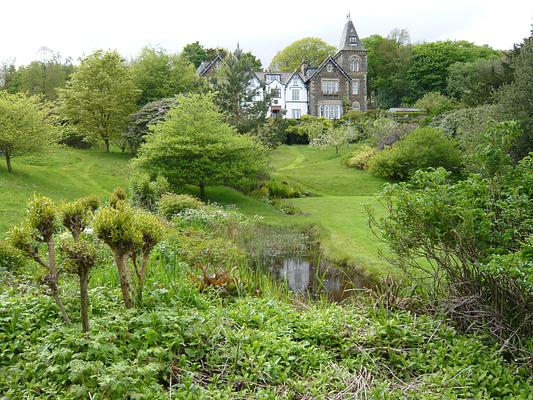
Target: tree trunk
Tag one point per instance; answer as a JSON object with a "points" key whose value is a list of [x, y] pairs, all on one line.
{"points": [[106, 145], [84, 298], [52, 279], [337, 150], [8, 161], [123, 277], [202, 190]]}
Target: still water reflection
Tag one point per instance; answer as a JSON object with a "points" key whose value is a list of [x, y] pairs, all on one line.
{"points": [[307, 276]]}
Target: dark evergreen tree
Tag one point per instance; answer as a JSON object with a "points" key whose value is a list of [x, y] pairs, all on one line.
{"points": [[235, 96]]}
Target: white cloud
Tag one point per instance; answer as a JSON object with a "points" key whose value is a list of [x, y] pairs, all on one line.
{"points": [[74, 27]]}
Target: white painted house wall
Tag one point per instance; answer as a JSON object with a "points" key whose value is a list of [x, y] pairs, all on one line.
{"points": [[295, 108]]}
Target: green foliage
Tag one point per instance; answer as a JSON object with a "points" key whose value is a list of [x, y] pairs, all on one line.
{"points": [[99, 97], [195, 146], [309, 50], [360, 157], [388, 61], [45, 76], [334, 136], [118, 197], [42, 216], [195, 53], [467, 126], [161, 75], [283, 190], [430, 64], [76, 215], [474, 83], [515, 100], [172, 204], [422, 148], [458, 239], [273, 133], [234, 96], [140, 121], [117, 228], [78, 255], [25, 126], [11, 259], [434, 103], [146, 193]]}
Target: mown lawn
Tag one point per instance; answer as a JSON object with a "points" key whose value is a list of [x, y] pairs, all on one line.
{"points": [[337, 203], [339, 196], [62, 175]]}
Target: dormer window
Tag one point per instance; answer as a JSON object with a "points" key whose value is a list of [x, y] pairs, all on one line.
{"points": [[272, 77], [353, 39]]}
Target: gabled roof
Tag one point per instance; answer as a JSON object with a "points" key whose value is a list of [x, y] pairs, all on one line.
{"points": [[348, 32], [283, 76], [204, 67], [326, 61]]}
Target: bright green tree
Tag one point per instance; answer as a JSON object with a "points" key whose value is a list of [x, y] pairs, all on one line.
{"points": [[25, 126], [99, 97], [160, 74], [310, 50], [428, 71], [46, 75], [195, 53], [194, 145]]}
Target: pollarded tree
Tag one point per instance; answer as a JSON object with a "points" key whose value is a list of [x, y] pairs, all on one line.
{"points": [[194, 145], [25, 126], [39, 228], [310, 50], [99, 97]]}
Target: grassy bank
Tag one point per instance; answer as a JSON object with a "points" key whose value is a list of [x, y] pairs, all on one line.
{"points": [[62, 175]]}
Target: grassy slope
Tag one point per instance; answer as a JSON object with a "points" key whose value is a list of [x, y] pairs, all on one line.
{"points": [[63, 174], [337, 205]]}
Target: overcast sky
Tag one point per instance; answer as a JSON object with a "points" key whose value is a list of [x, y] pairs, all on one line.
{"points": [[74, 27]]}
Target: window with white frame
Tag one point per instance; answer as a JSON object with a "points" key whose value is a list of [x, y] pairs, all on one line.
{"points": [[296, 114], [330, 86], [355, 86], [276, 93], [353, 39], [296, 94], [331, 111], [355, 64], [272, 77]]}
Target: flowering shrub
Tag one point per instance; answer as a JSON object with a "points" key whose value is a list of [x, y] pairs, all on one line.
{"points": [[360, 157]]}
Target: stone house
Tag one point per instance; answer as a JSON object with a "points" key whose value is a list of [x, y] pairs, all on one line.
{"points": [[324, 90]]}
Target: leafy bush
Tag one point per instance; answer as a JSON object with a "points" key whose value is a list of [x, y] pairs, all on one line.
{"points": [[360, 157], [423, 148], [145, 193], [11, 259], [434, 104], [172, 204], [283, 190]]}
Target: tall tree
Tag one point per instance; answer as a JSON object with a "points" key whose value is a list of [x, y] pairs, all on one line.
{"points": [[428, 71], [309, 50], [388, 61], [9, 76], [99, 97], [160, 74], [516, 100], [194, 145], [474, 83], [195, 53], [25, 126], [235, 96], [46, 75]]}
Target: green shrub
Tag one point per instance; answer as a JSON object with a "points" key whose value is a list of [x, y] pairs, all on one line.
{"points": [[283, 190], [145, 193], [360, 157], [11, 259], [423, 148], [172, 204]]}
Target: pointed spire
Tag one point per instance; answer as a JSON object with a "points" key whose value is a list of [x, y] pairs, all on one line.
{"points": [[350, 39]]}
